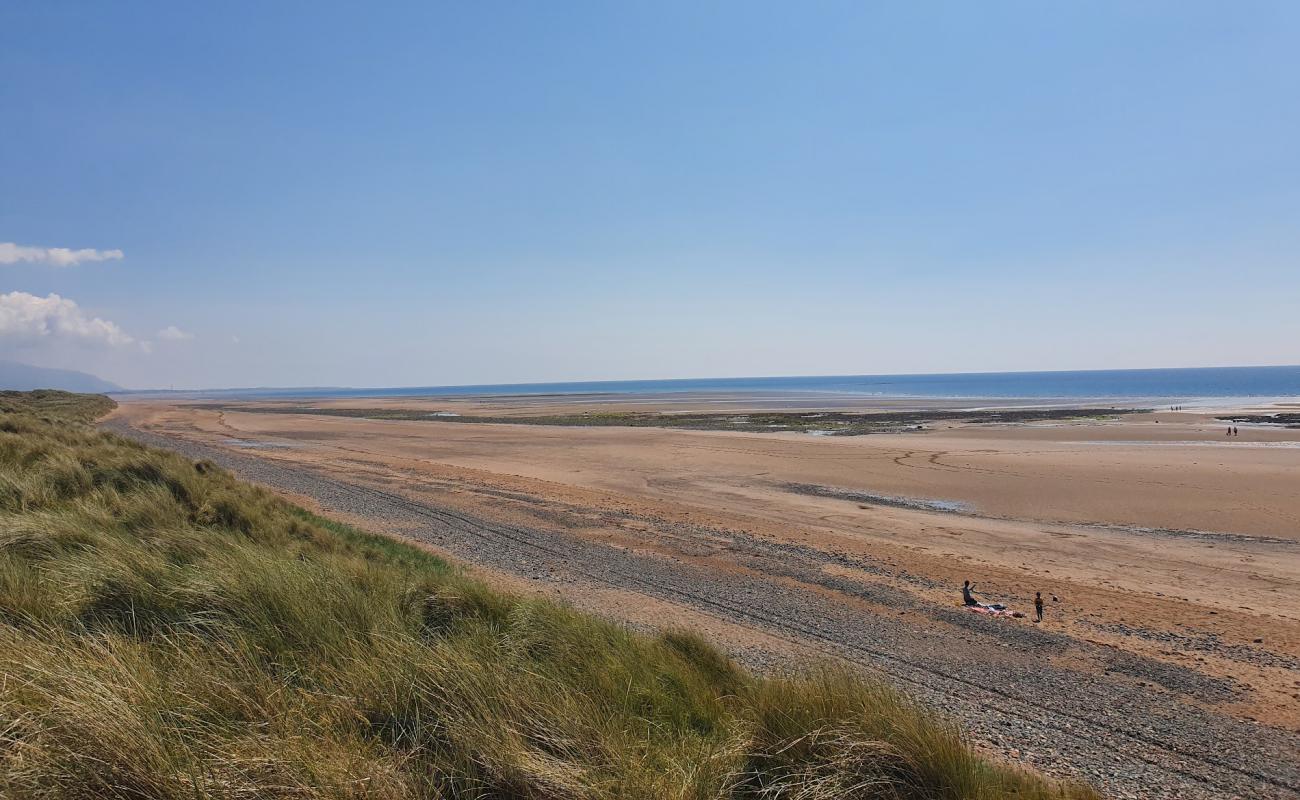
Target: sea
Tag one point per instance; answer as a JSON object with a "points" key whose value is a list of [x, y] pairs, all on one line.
{"points": [[1191, 385]]}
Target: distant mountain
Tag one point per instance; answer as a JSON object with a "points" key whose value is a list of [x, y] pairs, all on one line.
{"points": [[25, 377]]}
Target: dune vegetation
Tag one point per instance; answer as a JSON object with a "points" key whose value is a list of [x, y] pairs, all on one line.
{"points": [[168, 631]]}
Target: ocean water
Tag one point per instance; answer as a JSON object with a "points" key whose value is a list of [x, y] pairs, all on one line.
{"points": [[1166, 385]]}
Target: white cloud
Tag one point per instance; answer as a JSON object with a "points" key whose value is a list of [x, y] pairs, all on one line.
{"points": [[26, 317], [11, 253], [174, 334]]}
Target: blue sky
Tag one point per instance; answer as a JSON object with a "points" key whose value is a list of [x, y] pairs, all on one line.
{"points": [[315, 193]]}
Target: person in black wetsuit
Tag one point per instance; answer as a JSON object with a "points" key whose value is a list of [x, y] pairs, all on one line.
{"points": [[966, 597], [1038, 606]]}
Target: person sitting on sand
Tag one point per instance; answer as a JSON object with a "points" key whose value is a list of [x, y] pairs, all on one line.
{"points": [[1038, 606], [966, 597]]}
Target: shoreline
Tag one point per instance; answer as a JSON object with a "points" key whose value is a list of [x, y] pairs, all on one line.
{"points": [[761, 398]]}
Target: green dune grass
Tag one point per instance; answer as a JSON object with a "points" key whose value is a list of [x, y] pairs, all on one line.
{"points": [[167, 631]]}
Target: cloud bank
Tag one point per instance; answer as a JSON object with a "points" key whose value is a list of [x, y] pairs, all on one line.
{"points": [[11, 253], [27, 318]]}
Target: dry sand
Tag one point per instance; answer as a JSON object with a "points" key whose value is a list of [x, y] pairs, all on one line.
{"points": [[1157, 533]]}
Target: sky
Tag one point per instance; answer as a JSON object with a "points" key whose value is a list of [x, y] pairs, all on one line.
{"points": [[420, 193]]}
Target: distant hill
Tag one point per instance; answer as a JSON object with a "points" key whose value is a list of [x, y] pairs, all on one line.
{"points": [[25, 377]]}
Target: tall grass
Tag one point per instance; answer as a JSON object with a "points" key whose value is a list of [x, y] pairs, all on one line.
{"points": [[167, 631]]}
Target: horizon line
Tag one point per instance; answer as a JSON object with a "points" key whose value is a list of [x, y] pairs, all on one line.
{"points": [[328, 387]]}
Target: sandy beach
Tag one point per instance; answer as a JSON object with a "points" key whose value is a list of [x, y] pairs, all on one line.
{"points": [[1153, 535]]}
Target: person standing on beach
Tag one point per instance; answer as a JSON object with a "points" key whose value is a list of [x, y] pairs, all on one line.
{"points": [[1038, 606]]}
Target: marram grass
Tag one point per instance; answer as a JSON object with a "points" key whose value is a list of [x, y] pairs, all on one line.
{"points": [[167, 631]]}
